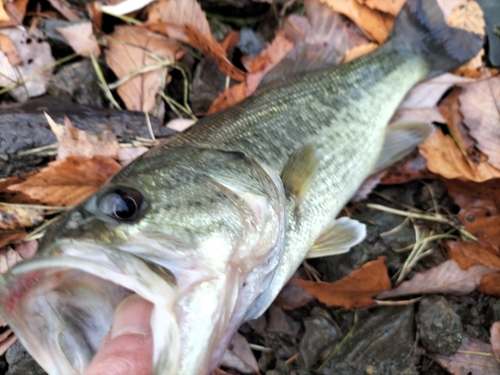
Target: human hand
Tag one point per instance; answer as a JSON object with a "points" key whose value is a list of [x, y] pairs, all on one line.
{"points": [[128, 348]]}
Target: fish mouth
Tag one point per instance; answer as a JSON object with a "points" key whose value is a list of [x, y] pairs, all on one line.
{"points": [[61, 306]]}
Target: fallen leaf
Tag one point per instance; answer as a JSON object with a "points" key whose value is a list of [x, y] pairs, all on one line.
{"points": [[184, 20], [36, 56], [16, 10], [68, 182], [479, 208], [3, 14], [353, 291], [8, 237], [480, 104], [468, 254], [131, 49], [76, 142], [445, 158], [239, 355], [359, 51], [127, 154], [473, 357], [448, 278], [258, 68], [81, 38], [8, 47], [14, 218], [490, 284], [376, 25], [387, 6], [469, 16], [427, 94], [495, 340], [65, 9], [412, 169]]}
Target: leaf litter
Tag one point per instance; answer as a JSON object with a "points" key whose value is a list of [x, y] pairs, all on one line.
{"points": [[142, 59]]}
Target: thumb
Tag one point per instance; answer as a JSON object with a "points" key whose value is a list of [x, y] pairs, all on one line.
{"points": [[128, 347]]}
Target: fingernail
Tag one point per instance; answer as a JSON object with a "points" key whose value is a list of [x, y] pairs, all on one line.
{"points": [[132, 317]]}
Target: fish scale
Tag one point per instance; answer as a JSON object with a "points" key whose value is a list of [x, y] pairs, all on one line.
{"points": [[210, 225]]}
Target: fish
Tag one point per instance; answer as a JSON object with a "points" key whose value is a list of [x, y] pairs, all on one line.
{"points": [[210, 225]]}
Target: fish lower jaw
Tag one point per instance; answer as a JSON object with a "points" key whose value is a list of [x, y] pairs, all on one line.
{"points": [[61, 308]]}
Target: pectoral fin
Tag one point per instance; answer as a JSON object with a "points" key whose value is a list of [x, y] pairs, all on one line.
{"points": [[401, 139], [300, 171], [338, 238]]}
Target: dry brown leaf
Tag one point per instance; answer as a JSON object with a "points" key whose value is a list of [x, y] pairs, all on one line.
{"points": [[490, 284], [258, 68], [359, 51], [81, 38], [132, 48], [239, 355], [65, 9], [469, 16], [3, 14], [35, 54], [480, 106], [448, 278], [479, 208], [8, 47], [76, 142], [16, 218], [376, 25], [445, 158], [68, 182], [495, 340], [387, 6], [16, 10], [8, 237], [468, 254], [321, 38], [353, 291], [473, 357], [185, 21]]}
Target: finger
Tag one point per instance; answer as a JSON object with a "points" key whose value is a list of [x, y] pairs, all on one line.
{"points": [[128, 347]]}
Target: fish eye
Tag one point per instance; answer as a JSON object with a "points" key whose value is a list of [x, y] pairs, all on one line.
{"points": [[122, 204]]}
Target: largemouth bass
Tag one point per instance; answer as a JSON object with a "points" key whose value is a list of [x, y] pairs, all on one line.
{"points": [[210, 225]]}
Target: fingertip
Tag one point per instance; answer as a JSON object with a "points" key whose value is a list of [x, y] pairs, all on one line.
{"points": [[128, 348]]}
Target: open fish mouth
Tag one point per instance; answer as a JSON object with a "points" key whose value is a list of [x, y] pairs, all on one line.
{"points": [[62, 306]]}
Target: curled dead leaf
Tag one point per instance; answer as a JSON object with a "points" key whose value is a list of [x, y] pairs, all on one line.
{"points": [[81, 38]]}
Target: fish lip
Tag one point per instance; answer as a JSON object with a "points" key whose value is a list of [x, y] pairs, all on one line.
{"points": [[28, 279]]}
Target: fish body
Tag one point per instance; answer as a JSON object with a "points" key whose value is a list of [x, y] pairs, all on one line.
{"points": [[211, 224]]}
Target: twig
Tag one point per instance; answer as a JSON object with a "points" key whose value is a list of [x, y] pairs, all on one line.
{"points": [[438, 219], [397, 303]]}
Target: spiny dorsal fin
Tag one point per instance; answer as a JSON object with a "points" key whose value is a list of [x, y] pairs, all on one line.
{"points": [[401, 139], [300, 171], [338, 238]]}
